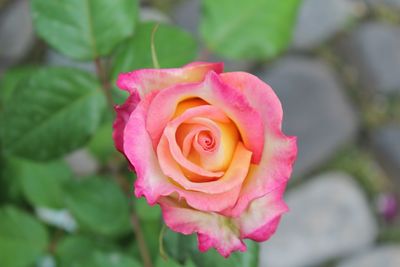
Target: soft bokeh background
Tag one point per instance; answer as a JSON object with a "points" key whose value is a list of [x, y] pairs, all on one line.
{"points": [[339, 83]]}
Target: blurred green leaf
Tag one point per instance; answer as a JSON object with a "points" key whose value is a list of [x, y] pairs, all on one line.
{"points": [[160, 262], [150, 219], [41, 183], [80, 251], [147, 212], [84, 29], [74, 251], [174, 48], [113, 260], [151, 230], [189, 263], [10, 80], [252, 29], [236, 259], [54, 112], [99, 206], [102, 145], [10, 188], [22, 238]]}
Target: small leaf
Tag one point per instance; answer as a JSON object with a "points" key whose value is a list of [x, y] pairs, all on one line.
{"points": [[84, 29], [42, 183], [99, 206], [102, 145], [252, 29], [173, 47], [184, 248], [22, 238], [52, 113]]}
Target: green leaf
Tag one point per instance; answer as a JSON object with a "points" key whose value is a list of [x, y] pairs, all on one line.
{"points": [[42, 183], [52, 113], [252, 29], [80, 251], [99, 206], [174, 48], [147, 212], [74, 251], [189, 263], [84, 29], [11, 79], [150, 219], [22, 238], [113, 260], [236, 259], [160, 262], [183, 248]]}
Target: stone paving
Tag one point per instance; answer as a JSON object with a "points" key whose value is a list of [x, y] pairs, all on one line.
{"points": [[326, 214], [343, 68]]}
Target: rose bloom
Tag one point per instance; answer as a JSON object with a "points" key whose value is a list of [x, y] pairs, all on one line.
{"points": [[207, 146]]}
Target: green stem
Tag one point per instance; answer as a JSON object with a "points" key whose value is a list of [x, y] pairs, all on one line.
{"points": [[156, 64], [144, 252], [163, 254]]}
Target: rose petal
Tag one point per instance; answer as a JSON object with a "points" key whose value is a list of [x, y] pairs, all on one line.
{"points": [[233, 177], [224, 151], [147, 80], [279, 151], [261, 218], [151, 181], [213, 230], [218, 94], [123, 112]]}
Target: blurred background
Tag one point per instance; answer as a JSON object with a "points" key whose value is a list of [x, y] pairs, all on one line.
{"points": [[339, 83]]}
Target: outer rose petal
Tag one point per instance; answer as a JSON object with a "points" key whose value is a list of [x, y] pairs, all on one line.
{"points": [[151, 181], [147, 80], [123, 112], [225, 234], [213, 230], [261, 218], [217, 93], [279, 151]]}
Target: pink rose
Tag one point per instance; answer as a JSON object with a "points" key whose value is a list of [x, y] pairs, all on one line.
{"points": [[207, 146]]}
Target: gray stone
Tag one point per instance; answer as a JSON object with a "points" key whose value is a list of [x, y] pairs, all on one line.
{"points": [[328, 218], [319, 20], [373, 51], [16, 32], [82, 162], [395, 3], [315, 109], [187, 15], [386, 143], [53, 58], [389, 3], [385, 256]]}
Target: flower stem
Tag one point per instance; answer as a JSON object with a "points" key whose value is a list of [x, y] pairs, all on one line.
{"points": [[161, 243], [106, 86], [154, 57], [144, 252]]}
